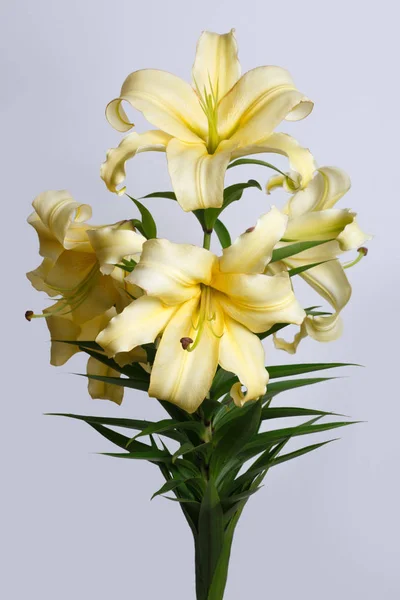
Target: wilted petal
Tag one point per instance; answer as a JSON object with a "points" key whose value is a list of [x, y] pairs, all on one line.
{"points": [[300, 159], [165, 100], [259, 101], [100, 390], [113, 169], [242, 353], [197, 176], [259, 301], [172, 272], [252, 251], [216, 67], [181, 377], [139, 323], [112, 243]]}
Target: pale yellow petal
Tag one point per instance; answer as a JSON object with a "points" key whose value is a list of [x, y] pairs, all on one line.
{"points": [[138, 354], [197, 176], [178, 376], [352, 237], [139, 323], [241, 352], [112, 243], [330, 281], [252, 251], [49, 247], [100, 390], [319, 225], [58, 211], [61, 328], [70, 270], [166, 101], [322, 192], [259, 301], [324, 328], [172, 272], [216, 68], [113, 169], [259, 101], [301, 160], [39, 275], [291, 347]]}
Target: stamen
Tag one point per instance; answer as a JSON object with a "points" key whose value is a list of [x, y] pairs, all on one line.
{"points": [[186, 341], [361, 253], [209, 105]]}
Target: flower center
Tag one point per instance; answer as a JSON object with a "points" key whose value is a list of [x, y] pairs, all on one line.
{"points": [[206, 317], [209, 104]]}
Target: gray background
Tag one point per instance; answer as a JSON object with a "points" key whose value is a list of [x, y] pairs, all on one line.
{"points": [[79, 525]]}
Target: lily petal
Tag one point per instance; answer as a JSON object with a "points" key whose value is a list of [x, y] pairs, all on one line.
{"points": [[100, 390], [352, 237], [58, 211], [61, 328], [216, 67], [112, 171], [197, 176], [242, 353], [112, 243], [322, 192], [324, 328], [138, 354], [172, 272], [319, 225], [139, 323], [165, 100], [178, 376], [252, 251], [39, 275], [330, 281], [257, 103], [300, 159], [259, 301]]}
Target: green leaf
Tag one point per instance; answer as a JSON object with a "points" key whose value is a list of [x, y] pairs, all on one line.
{"points": [[167, 425], [168, 195], [219, 385], [223, 234], [274, 329], [296, 248], [301, 452], [136, 384], [85, 344], [299, 270], [170, 485], [151, 455], [285, 412], [210, 538], [148, 223], [289, 384], [134, 371], [232, 193], [184, 449], [231, 500], [139, 226], [255, 161], [276, 371], [266, 438], [230, 437]]}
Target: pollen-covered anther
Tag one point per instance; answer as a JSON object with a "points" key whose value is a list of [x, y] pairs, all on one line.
{"points": [[29, 314], [186, 341]]}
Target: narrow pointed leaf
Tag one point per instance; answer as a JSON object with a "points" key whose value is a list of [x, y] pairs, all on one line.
{"points": [[295, 248], [223, 234], [255, 161], [277, 371], [148, 223], [136, 384]]}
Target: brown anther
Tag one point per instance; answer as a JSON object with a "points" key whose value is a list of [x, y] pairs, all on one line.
{"points": [[250, 229], [186, 341], [29, 314], [363, 250]]}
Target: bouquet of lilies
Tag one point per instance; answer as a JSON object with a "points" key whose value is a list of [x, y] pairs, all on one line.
{"points": [[185, 325]]}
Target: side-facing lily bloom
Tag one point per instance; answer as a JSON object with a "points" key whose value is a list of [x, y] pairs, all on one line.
{"points": [[313, 217], [208, 311], [78, 270], [203, 127]]}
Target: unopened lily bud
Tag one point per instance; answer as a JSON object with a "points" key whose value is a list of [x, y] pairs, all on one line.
{"points": [[186, 341]]}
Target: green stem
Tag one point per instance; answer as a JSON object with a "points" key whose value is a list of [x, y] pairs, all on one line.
{"points": [[207, 240]]}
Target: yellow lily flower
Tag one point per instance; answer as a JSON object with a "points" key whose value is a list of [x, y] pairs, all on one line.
{"points": [[208, 311], [203, 127], [312, 217], [79, 265]]}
